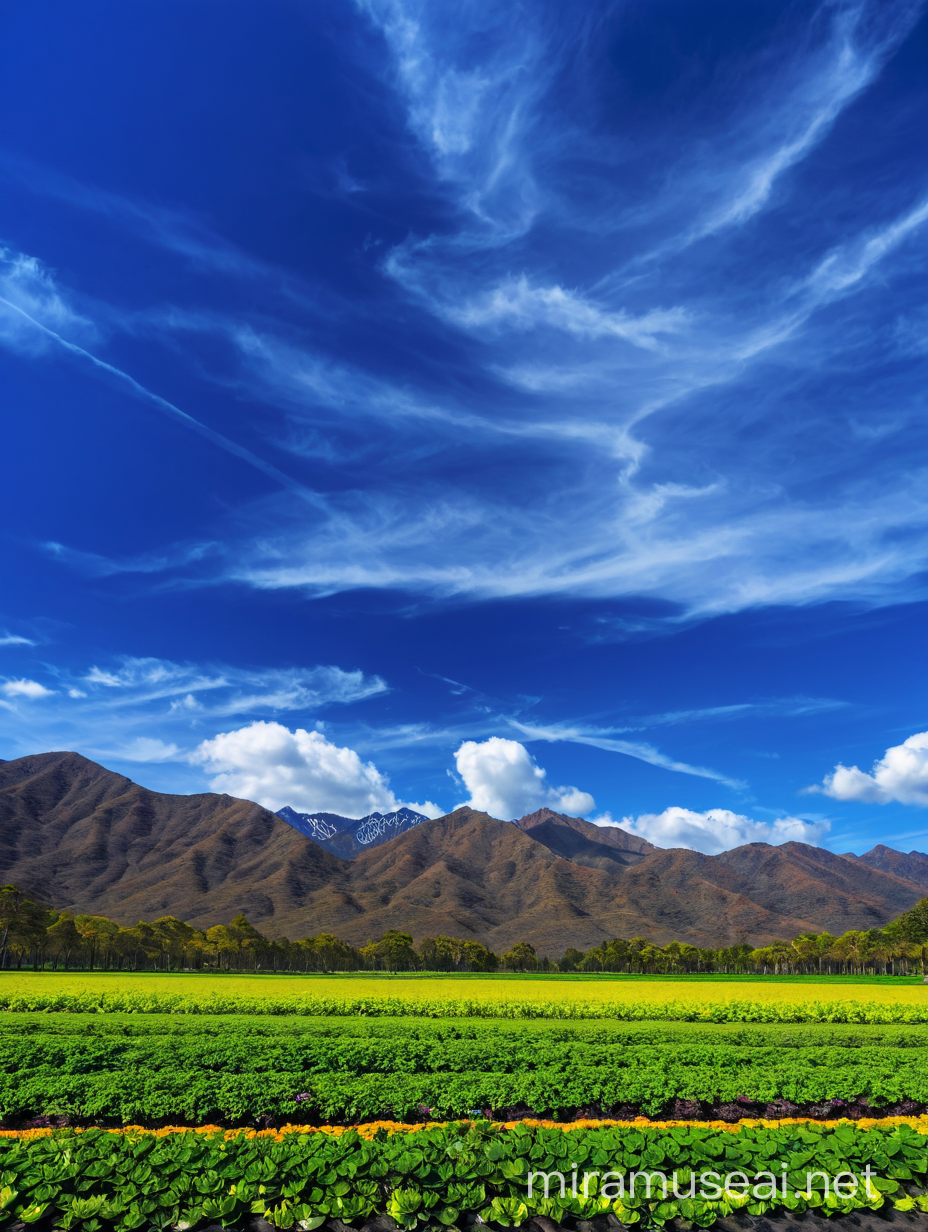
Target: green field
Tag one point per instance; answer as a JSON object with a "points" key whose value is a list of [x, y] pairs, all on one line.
{"points": [[194, 1070], [240, 1048], [469, 977]]}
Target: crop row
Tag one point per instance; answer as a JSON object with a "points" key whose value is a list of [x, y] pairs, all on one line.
{"points": [[138, 1068], [444, 1174], [198, 1078], [47, 1030], [503, 1053], [397, 1007], [194, 1096]]}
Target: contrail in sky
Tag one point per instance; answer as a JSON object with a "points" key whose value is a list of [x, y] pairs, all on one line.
{"points": [[238, 451]]}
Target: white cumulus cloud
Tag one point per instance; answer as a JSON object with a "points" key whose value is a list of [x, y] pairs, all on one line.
{"points": [[716, 830], [901, 774], [504, 781], [269, 763], [25, 688]]}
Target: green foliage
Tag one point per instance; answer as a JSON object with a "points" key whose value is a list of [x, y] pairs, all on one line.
{"points": [[449, 954], [440, 1175], [393, 952], [200, 1069], [521, 957], [23, 923], [912, 925]]}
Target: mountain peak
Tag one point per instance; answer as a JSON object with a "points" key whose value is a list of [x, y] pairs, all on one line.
{"points": [[911, 867], [348, 836]]}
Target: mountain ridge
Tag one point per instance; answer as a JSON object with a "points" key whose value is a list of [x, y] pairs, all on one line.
{"points": [[348, 836], [912, 865], [91, 840]]}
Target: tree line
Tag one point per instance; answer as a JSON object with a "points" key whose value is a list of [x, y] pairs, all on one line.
{"points": [[43, 938]]}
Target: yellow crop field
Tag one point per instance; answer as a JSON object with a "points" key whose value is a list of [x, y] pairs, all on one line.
{"points": [[439, 988]]}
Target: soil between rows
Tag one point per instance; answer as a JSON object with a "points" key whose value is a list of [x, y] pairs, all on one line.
{"points": [[889, 1220], [677, 1110]]}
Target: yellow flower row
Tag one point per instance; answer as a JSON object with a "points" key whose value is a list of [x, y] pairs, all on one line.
{"points": [[370, 1128]]}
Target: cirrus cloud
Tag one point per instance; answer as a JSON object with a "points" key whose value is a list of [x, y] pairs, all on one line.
{"points": [[152, 710]]}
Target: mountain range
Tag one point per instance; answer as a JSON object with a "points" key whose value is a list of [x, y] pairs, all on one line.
{"points": [[346, 836], [83, 837]]}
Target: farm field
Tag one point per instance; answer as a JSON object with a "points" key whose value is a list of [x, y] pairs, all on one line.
{"points": [[239, 1070], [722, 1069], [568, 997]]}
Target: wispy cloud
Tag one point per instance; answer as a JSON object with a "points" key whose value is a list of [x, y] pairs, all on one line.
{"points": [[469, 100], [30, 689], [550, 404], [92, 564], [518, 305], [176, 230], [781, 707], [152, 710], [32, 307], [869, 548], [629, 748], [816, 89], [226, 690]]}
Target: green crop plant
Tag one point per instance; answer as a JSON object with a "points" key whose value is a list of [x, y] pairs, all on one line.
{"points": [[441, 1175], [141, 1069]]}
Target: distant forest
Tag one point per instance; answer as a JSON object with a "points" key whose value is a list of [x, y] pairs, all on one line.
{"points": [[32, 935]]}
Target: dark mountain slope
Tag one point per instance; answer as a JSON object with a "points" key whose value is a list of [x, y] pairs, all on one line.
{"points": [[470, 875], [605, 847], [800, 878], [317, 826]]}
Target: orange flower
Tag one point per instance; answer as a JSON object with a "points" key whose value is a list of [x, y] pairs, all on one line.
{"points": [[369, 1128]]}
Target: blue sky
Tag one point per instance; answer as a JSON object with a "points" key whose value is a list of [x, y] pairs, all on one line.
{"points": [[517, 404]]}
